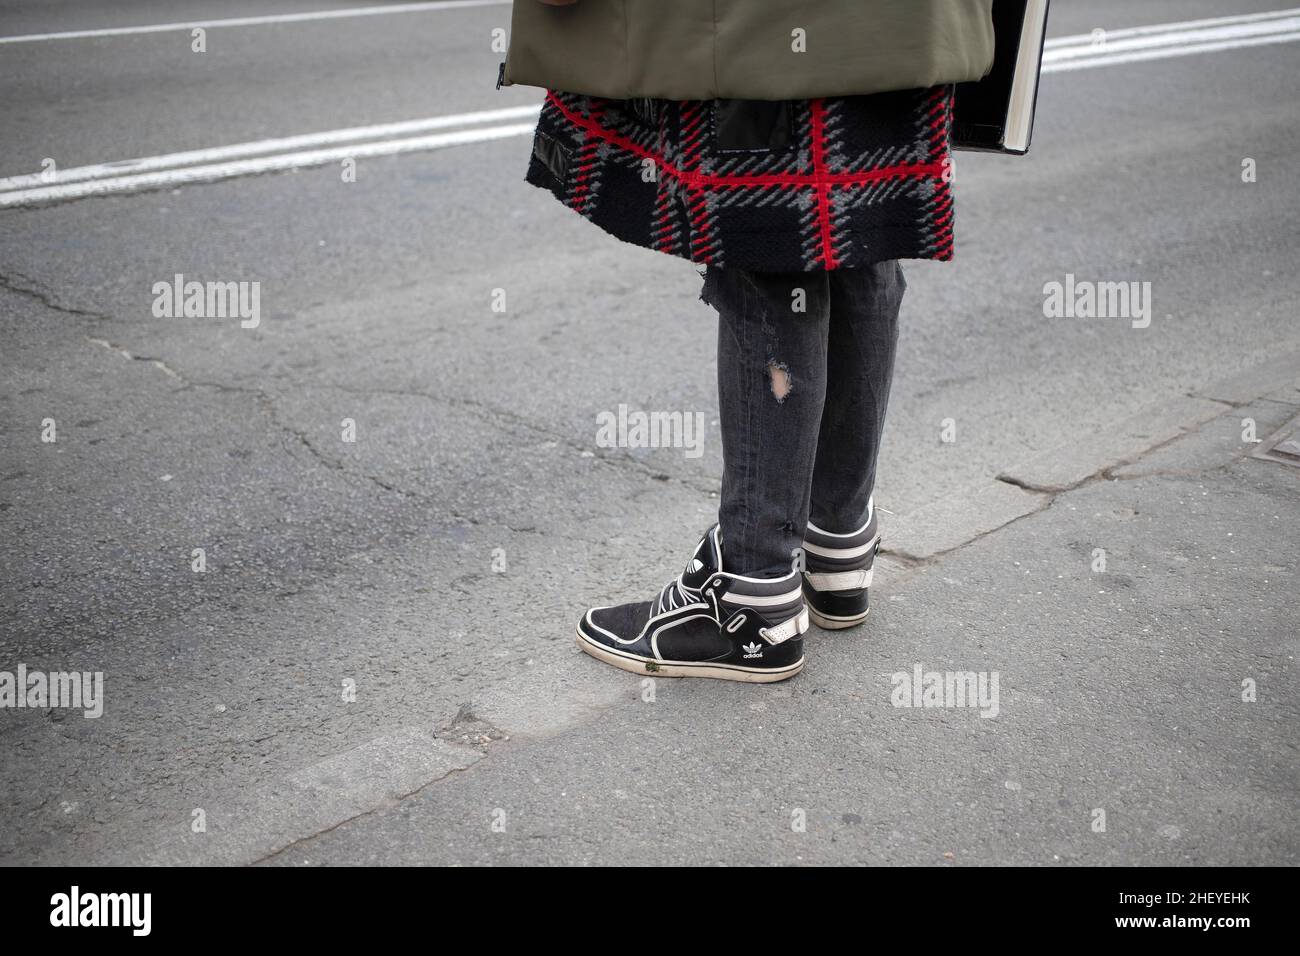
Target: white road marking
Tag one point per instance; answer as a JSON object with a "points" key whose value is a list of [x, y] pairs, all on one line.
{"points": [[1228, 33], [1161, 53], [259, 147], [1064, 54], [257, 21], [266, 164], [1126, 32]]}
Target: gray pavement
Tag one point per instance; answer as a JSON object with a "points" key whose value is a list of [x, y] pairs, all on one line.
{"points": [[478, 732]]}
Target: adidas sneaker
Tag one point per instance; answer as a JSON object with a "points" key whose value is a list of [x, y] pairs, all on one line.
{"points": [[707, 623], [837, 574]]}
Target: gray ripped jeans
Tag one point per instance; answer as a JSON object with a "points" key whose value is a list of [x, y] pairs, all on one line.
{"points": [[805, 362]]}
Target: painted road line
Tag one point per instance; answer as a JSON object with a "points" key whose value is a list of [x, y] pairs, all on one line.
{"points": [[1126, 32], [1111, 58], [1112, 45], [265, 164], [216, 154], [267, 20]]}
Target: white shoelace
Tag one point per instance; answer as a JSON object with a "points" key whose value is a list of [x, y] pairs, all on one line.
{"points": [[676, 594]]}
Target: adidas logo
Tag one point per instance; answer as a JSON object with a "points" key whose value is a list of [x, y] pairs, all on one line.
{"points": [[696, 564], [752, 650]]}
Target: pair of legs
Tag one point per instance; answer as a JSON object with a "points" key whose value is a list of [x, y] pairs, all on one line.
{"points": [[805, 362], [804, 367]]}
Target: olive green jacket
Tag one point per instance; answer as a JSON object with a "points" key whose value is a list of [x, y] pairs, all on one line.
{"points": [[748, 49]]}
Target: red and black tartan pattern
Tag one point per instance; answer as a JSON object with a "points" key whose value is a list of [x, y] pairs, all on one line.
{"points": [[862, 179]]}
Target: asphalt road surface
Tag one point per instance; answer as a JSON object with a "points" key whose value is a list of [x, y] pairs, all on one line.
{"points": [[375, 662]]}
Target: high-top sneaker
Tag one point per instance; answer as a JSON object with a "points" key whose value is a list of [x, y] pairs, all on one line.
{"points": [[837, 574], [707, 623]]}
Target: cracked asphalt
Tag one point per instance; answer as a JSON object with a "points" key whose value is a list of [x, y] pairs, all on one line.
{"points": [[377, 665]]}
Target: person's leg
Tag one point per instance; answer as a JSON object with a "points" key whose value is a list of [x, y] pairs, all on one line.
{"points": [[842, 535], [772, 360], [863, 339], [737, 610]]}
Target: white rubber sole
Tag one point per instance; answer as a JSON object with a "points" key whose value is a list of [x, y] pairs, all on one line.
{"points": [[645, 665], [833, 623]]}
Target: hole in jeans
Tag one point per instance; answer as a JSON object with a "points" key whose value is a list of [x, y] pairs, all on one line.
{"points": [[780, 376]]}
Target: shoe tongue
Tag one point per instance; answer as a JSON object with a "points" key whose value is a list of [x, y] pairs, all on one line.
{"points": [[706, 560]]}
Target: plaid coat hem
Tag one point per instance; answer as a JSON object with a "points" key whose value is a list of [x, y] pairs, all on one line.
{"points": [[850, 182]]}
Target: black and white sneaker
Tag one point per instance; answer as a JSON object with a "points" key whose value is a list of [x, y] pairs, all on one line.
{"points": [[837, 575], [707, 623]]}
